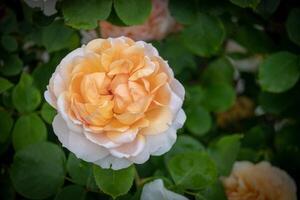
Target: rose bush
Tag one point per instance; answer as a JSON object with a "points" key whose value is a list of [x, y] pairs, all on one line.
{"points": [[117, 101], [111, 124]]}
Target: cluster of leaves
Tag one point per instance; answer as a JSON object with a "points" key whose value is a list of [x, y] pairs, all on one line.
{"points": [[33, 164]]}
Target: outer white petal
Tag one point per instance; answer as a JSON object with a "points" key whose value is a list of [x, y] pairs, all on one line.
{"points": [[49, 98], [178, 88], [77, 143], [129, 149], [161, 143], [100, 139], [156, 190], [180, 119], [175, 102], [113, 162]]}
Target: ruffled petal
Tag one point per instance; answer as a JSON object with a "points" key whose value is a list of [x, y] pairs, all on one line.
{"points": [[77, 143]]}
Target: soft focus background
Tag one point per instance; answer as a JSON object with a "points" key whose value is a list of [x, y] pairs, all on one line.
{"points": [[238, 60]]}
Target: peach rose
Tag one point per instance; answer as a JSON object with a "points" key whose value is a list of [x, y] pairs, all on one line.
{"points": [[259, 182], [117, 101], [159, 24]]}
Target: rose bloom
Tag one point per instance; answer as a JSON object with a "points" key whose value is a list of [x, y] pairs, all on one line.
{"points": [[117, 101], [159, 24], [259, 182]]}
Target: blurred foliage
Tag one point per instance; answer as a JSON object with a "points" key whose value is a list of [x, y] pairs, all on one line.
{"points": [[238, 60]]}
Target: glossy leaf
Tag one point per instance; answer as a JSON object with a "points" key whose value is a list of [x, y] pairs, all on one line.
{"points": [[224, 152], [29, 129], [279, 72], [114, 182], [38, 170], [205, 36], [133, 12], [26, 98], [82, 15], [192, 170], [4, 84]]}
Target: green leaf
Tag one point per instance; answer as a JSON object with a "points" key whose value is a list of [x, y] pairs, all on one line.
{"points": [[48, 113], [205, 36], [287, 142], [12, 65], [198, 120], [219, 71], [4, 84], [29, 129], [257, 137], [218, 97], [177, 55], [279, 72], [9, 43], [184, 13], [26, 97], [80, 171], [114, 182], [38, 170], [293, 25], [82, 15], [183, 144], [6, 123], [42, 75], [246, 3], [57, 36], [213, 192], [192, 170], [224, 152], [194, 95], [267, 7], [276, 103], [71, 192], [133, 12], [254, 40]]}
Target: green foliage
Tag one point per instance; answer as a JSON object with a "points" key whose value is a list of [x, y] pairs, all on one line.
{"points": [[56, 37], [246, 3], [130, 12], [114, 182], [4, 84], [192, 170], [205, 36], [48, 113], [293, 25], [218, 97], [221, 51], [279, 72], [224, 152], [71, 192], [85, 15], [183, 12], [25, 97], [29, 129], [198, 121], [38, 170], [6, 123], [12, 65]]}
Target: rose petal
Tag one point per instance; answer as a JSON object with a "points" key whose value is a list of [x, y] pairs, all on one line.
{"points": [[161, 143], [100, 139], [77, 143], [113, 162], [129, 149], [122, 137], [156, 190]]}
